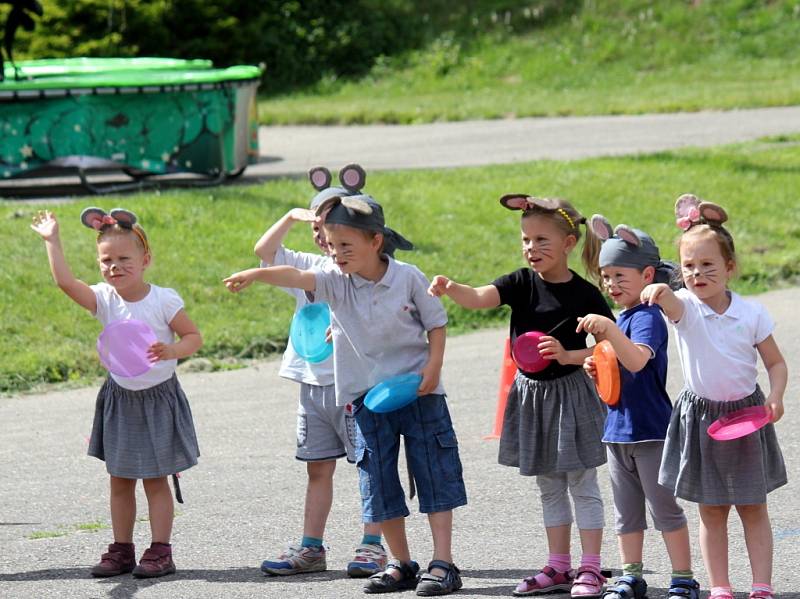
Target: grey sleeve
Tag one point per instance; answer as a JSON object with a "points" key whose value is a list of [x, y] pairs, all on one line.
{"points": [[430, 309], [299, 260], [329, 287]]}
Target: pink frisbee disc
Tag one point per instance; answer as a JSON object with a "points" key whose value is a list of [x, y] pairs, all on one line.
{"points": [[526, 352], [739, 424], [123, 345]]}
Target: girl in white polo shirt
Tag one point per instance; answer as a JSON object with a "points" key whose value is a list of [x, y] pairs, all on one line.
{"points": [[720, 336]]}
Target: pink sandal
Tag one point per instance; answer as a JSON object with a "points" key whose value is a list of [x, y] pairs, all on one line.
{"points": [[547, 580], [589, 582]]}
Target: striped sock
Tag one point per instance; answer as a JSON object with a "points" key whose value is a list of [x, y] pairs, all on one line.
{"points": [[311, 542], [371, 539], [687, 574], [764, 589], [633, 569]]}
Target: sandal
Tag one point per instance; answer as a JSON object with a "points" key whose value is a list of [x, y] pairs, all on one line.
{"points": [[433, 584], [589, 582], [762, 592], [628, 587], [685, 588], [384, 582], [546, 580]]}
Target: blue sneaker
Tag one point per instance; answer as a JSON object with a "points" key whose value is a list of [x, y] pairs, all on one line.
{"points": [[296, 560], [369, 559]]}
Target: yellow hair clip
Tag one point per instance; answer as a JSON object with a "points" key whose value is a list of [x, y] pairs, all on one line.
{"points": [[566, 216]]}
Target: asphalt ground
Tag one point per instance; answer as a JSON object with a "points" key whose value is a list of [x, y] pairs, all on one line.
{"points": [[244, 501]]}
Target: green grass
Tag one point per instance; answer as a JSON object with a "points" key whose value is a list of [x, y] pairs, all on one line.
{"points": [[47, 534], [452, 215], [598, 57]]}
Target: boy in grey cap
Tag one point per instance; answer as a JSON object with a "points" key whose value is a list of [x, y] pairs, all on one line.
{"points": [[384, 324]]}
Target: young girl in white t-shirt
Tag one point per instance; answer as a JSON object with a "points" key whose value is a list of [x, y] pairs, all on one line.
{"points": [[720, 337], [143, 426]]}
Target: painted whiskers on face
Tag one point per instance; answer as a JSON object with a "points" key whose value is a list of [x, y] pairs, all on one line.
{"points": [[705, 271], [545, 248]]}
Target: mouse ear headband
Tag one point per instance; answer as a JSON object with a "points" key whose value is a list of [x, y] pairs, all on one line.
{"points": [[352, 177], [517, 201], [97, 219], [690, 211], [602, 228]]}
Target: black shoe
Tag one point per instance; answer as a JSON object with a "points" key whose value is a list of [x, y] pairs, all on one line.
{"points": [[432, 584], [384, 582]]}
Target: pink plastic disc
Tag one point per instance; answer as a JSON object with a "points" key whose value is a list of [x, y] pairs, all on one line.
{"points": [[739, 424], [526, 352]]}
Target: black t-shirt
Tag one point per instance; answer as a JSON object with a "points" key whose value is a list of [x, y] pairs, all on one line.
{"points": [[537, 305]]}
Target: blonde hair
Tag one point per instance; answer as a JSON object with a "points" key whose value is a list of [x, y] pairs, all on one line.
{"points": [[123, 229], [568, 220], [720, 234]]}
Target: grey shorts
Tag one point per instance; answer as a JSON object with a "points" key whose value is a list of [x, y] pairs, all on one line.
{"points": [[325, 431], [633, 468]]}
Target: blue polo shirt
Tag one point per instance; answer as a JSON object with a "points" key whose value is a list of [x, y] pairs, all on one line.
{"points": [[644, 408]]}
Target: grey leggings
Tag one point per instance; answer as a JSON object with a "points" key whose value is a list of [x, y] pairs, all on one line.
{"points": [[582, 485]]}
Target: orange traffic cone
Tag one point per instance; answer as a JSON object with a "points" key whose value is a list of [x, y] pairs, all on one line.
{"points": [[507, 373]]}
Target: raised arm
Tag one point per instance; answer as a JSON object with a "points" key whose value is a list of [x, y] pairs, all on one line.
{"points": [[46, 226], [661, 294], [632, 356], [271, 241], [474, 298], [280, 276]]}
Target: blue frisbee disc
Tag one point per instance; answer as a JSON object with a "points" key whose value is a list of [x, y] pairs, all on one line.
{"points": [[307, 333], [393, 393]]}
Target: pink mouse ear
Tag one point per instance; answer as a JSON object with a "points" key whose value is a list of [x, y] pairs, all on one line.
{"points": [[123, 216], [600, 226], [352, 177], [684, 205], [628, 235], [516, 201], [320, 178], [92, 217], [357, 203], [713, 213]]}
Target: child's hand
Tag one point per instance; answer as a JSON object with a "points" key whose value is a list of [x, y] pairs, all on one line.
{"points": [[439, 285], [654, 293], [551, 349], [45, 224], [594, 324], [774, 406], [162, 351], [590, 368], [328, 335], [303, 215], [430, 378], [239, 280]]}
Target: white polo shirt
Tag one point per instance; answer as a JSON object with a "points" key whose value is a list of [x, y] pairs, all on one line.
{"points": [[379, 329], [717, 351]]}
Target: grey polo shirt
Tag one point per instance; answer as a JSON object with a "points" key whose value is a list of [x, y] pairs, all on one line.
{"points": [[379, 329]]}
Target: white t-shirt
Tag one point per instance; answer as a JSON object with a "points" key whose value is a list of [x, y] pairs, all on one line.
{"points": [[293, 367], [718, 351], [157, 309]]}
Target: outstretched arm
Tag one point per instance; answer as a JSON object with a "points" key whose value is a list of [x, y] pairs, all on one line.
{"points": [[661, 294], [280, 276], [46, 226], [632, 356], [777, 373], [271, 241], [474, 298]]}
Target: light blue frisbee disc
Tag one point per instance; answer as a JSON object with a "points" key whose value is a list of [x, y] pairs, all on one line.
{"points": [[307, 333], [393, 393]]}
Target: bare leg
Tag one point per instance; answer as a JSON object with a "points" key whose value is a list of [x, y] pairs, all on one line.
{"points": [[758, 538], [372, 528], [319, 497], [558, 538], [123, 508], [161, 507], [714, 542], [630, 546], [591, 540], [394, 531], [677, 542], [442, 530]]}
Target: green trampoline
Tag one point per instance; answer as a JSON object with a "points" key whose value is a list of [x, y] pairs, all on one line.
{"points": [[141, 116]]}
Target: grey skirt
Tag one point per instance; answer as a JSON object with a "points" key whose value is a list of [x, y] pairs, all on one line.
{"points": [[738, 472], [553, 425], [143, 434]]}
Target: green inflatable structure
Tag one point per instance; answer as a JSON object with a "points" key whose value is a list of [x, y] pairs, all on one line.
{"points": [[142, 116]]}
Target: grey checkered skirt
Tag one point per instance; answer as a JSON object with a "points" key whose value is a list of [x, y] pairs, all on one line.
{"points": [[553, 425], [738, 472], [143, 434]]}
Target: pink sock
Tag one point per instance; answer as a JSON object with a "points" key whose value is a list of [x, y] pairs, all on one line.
{"points": [[560, 562], [720, 592], [763, 587], [591, 560]]}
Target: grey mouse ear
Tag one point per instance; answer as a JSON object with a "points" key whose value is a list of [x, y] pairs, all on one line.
{"points": [[628, 235], [357, 204], [320, 177], [712, 213], [93, 217], [352, 177], [515, 201], [123, 216], [600, 226]]}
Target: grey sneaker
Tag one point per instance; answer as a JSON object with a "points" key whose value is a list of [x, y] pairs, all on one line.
{"points": [[369, 559], [296, 560]]}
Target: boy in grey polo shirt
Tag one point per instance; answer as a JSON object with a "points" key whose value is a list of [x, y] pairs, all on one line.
{"points": [[385, 324]]}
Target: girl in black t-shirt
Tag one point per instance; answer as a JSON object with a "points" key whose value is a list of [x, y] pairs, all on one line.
{"points": [[553, 423]]}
